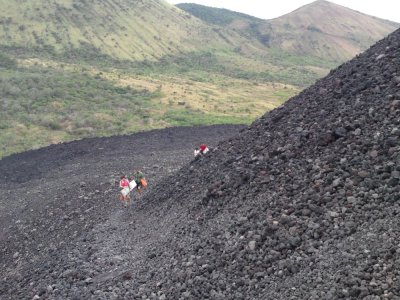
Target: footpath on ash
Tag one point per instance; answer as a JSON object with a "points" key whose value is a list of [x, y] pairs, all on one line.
{"points": [[303, 204]]}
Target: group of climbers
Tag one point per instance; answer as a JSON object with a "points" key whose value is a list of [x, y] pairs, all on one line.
{"points": [[201, 151], [137, 180]]}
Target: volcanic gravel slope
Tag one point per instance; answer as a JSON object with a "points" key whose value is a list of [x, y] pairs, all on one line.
{"points": [[60, 220], [303, 204]]}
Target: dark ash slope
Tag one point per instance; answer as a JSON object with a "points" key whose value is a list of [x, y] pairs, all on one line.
{"points": [[304, 204], [57, 204]]}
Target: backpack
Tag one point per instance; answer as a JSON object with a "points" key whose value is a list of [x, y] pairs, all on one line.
{"points": [[143, 182]]}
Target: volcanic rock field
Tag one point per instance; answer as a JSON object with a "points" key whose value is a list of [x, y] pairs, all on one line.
{"points": [[60, 217], [302, 204]]}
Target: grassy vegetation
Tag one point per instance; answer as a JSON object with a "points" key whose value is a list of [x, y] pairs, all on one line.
{"points": [[248, 25], [217, 16], [41, 106], [276, 67], [189, 117], [46, 101]]}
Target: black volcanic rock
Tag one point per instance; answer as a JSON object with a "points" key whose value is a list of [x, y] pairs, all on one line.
{"points": [[303, 204], [60, 217]]}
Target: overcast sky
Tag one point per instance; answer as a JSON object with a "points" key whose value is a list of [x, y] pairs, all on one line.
{"points": [[268, 9]]}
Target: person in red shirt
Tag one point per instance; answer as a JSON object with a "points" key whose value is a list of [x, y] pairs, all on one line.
{"points": [[200, 151], [203, 149], [124, 184]]}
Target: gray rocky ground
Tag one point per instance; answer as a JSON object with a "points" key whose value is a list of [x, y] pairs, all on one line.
{"points": [[63, 232]]}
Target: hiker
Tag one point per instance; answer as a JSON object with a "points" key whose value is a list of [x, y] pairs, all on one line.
{"points": [[140, 180], [124, 196], [203, 149], [196, 152], [199, 152]]}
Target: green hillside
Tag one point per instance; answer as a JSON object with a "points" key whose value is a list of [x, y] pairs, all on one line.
{"points": [[121, 29], [246, 25], [217, 16]]}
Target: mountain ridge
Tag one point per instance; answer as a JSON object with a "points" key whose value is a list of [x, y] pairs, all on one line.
{"points": [[338, 36]]}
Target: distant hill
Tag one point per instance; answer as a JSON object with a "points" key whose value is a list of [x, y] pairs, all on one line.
{"points": [[122, 29], [327, 30], [321, 29]]}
